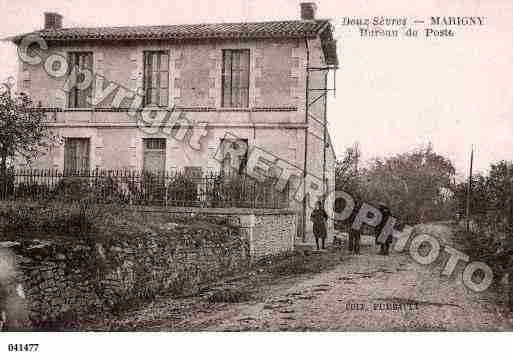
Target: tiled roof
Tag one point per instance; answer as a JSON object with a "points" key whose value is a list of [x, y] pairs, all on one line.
{"points": [[244, 30]]}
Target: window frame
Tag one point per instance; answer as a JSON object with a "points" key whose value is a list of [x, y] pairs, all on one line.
{"points": [[243, 160], [147, 80], [77, 169], [73, 95], [244, 100], [162, 150]]}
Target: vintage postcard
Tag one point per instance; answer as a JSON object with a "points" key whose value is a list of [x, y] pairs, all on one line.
{"points": [[256, 166]]}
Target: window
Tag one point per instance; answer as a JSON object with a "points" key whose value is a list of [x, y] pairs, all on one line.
{"points": [[156, 78], [235, 78], [78, 96], [235, 156], [76, 155], [154, 155]]}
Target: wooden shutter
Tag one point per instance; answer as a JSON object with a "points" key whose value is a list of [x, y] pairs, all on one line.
{"points": [[154, 155], [244, 78], [76, 155], [85, 62], [156, 78], [83, 154], [69, 157], [227, 78], [164, 79], [235, 78], [147, 78], [72, 100], [80, 61]]}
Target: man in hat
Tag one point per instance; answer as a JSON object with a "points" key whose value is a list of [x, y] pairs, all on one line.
{"points": [[385, 246], [354, 235], [319, 218]]}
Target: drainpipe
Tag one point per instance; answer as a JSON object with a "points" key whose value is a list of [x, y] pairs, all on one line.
{"points": [[324, 186], [307, 100]]}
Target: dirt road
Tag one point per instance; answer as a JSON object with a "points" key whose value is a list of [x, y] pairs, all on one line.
{"points": [[366, 292]]}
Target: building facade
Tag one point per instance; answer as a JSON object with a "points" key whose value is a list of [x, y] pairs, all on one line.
{"points": [[170, 98]]}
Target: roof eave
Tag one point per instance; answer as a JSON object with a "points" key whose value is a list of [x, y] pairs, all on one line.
{"points": [[17, 39]]}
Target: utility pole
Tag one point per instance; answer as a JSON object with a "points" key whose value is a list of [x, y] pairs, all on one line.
{"points": [[469, 189], [356, 163], [509, 194], [356, 156]]}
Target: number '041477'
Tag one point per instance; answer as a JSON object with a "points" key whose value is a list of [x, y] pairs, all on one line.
{"points": [[23, 347]]}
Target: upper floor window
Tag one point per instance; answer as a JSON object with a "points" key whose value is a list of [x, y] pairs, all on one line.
{"points": [[235, 78], [78, 95], [156, 78]]}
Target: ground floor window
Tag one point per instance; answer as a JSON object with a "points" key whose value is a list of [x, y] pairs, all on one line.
{"points": [[235, 156], [154, 157], [76, 155]]}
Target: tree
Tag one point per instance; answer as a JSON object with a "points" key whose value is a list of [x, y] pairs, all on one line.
{"points": [[23, 132], [347, 171], [491, 202], [414, 185]]}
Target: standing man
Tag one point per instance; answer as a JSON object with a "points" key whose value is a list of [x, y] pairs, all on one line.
{"points": [[319, 218], [354, 235], [385, 246]]}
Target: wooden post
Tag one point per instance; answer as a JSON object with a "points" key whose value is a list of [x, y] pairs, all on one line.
{"points": [[469, 189]]}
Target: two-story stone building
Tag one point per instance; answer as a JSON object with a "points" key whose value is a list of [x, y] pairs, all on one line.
{"points": [[262, 82]]}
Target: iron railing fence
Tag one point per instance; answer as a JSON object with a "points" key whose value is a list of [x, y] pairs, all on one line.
{"points": [[143, 188]]}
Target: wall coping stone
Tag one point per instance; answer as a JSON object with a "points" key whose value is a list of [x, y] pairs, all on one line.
{"points": [[217, 211]]}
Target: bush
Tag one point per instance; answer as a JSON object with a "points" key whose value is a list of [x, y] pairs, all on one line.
{"points": [[487, 249], [243, 191], [71, 189], [97, 190], [26, 221], [32, 190], [233, 190], [6, 185], [182, 191]]}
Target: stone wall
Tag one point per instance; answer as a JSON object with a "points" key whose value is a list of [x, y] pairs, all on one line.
{"points": [[61, 282], [277, 76], [273, 233], [267, 231], [68, 283]]}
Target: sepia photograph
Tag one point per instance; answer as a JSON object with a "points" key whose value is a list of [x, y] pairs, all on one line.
{"points": [[255, 166]]}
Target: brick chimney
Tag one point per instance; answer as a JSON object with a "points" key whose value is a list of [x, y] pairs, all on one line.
{"points": [[53, 21], [308, 10]]}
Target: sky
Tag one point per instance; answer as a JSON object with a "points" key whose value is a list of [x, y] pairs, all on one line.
{"points": [[393, 95]]}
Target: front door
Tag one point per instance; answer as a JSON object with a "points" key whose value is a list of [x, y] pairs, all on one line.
{"points": [[154, 155], [76, 155]]}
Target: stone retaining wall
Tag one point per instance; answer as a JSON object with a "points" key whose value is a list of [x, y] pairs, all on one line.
{"points": [[68, 283], [268, 231], [61, 282]]}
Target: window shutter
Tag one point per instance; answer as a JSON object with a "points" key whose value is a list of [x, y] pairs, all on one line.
{"points": [[136, 77], [244, 78], [156, 78], [235, 78], [227, 78], [78, 98]]}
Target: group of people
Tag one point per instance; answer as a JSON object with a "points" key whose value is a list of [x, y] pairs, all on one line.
{"points": [[319, 219]]}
